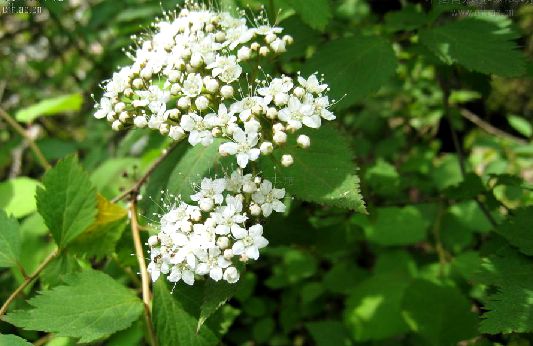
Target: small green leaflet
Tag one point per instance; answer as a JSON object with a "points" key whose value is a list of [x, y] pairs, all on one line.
{"points": [[369, 61], [9, 240], [17, 196], [518, 230], [323, 173], [315, 13], [477, 44], [91, 305], [175, 316], [51, 106], [67, 202], [215, 295]]}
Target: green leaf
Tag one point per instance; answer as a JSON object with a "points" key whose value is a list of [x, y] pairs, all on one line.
{"points": [[216, 294], [13, 340], [175, 316], [521, 125], [51, 106], [68, 201], [9, 240], [17, 196], [328, 332], [518, 230], [478, 45], [439, 314], [509, 308], [101, 237], [90, 306], [323, 173], [315, 13], [361, 65], [396, 226]]}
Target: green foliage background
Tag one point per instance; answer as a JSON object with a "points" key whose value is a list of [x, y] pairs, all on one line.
{"points": [[433, 130]]}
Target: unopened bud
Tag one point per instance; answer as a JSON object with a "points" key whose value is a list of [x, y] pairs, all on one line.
{"points": [[287, 160]]}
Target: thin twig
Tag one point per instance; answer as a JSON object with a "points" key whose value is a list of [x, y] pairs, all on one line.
{"points": [[137, 186], [441, 252], [459, 150], [145, 280], [21, 131], [489, 128], [27, 281]]}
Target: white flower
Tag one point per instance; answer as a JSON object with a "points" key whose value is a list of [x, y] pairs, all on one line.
{"points": [[277, 90], [210, 189], [181, 272], [321, 106], [231, 275], [269, 198], [192, 86], [243, 146], [226, 68], [297, 113], [212, 262], [198, 128], [249, 242], [248, 106], [104, 108], [312, 84], [229, 217]]}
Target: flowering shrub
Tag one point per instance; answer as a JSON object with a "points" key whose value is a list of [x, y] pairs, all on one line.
{"points": [[198, 179]]}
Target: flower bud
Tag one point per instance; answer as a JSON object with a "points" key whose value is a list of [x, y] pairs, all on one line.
{"points": [[196, 60], [278, 127], [266, 148], [281, 99], [223, 242], [137, 83], [211, 85], [119, 107], [146, 73], [111, 116], [226, 91], [228, 254], [184, 102], [244, 53], [287, 160], [249, 187], [231, 275], [279, 137], [174, 114], [173, 75], [278, 46], [263, 51], [117, 125], [153, 241], [270, 37], [206, 204], [176, 133], [299, 91], [124, 117], [303, 141], [164, 129], [272, 113], [255, 46], [140, 121], [288, 39], [201, 103], [255, 210]]}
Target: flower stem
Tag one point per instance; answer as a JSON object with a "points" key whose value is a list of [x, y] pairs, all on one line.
{"points": [[21, 131], [27, 281]]}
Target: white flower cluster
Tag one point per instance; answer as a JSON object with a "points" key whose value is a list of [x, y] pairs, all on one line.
{"points": [[220, 228], [184, 82]]}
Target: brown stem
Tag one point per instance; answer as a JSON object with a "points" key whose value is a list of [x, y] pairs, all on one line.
{"points": [[489, 128], [27, 281], [134, 190], [145, 279], [21, 131]]}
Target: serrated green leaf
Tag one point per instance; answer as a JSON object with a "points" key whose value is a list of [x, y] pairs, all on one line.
{"points": [[518, 230], [51, 106], [216, 294], [68, 201], [91, 305], [361, 65], [9, 240], [175, 316], [13, 340], [323, 173], [101, 237], [477, 44], [315, 13], [439, 314], [17, 196], [509, 309]]}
